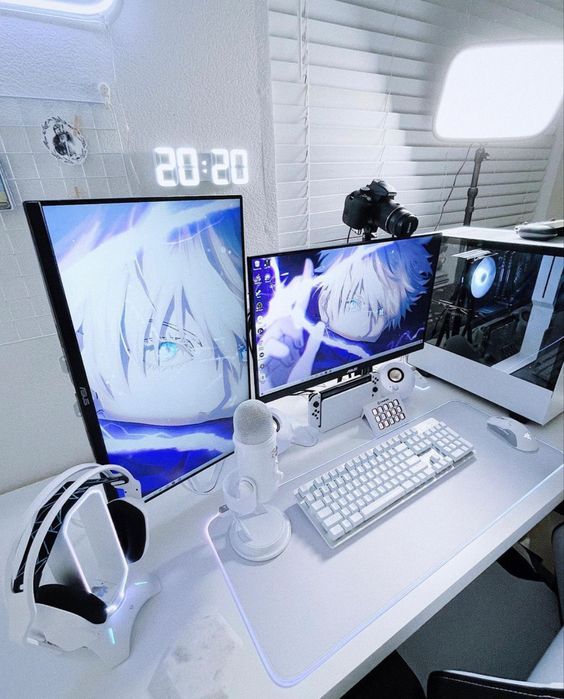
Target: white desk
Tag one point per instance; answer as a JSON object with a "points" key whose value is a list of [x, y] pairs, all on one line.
{"points": [[193, 587]]}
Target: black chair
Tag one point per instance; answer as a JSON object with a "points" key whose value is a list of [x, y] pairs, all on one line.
{"points": [[547, 679]]}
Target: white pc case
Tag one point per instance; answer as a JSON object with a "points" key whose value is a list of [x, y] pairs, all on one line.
{"points": [[496, 323]]}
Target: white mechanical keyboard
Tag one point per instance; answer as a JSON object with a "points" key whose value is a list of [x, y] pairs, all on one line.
{"points": [[351, 496]]}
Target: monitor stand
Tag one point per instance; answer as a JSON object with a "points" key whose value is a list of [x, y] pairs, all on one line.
{"points": [[206, 481]]}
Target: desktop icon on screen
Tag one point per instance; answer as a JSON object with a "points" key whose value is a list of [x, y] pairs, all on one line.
{"points": [[330, 310]]}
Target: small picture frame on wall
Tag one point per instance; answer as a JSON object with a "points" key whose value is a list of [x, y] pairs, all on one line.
{"points": [[5, 202]]}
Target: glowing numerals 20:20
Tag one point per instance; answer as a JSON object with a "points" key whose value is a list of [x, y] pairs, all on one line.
{"points": [[185, 167]]}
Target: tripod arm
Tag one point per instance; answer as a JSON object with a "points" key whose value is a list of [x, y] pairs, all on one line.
{"points": [[479, 157]]}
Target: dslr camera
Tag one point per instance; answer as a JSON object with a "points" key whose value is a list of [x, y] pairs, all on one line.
{"points": [[373, 207]]}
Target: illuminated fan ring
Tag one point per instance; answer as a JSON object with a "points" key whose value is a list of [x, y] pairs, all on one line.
{"points": [[482, 277]]}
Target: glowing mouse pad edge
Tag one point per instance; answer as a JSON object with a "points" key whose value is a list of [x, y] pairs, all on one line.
{"points": [[305, 605]]}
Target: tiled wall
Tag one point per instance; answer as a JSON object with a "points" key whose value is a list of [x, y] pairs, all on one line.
{"points": [[31, 172]]}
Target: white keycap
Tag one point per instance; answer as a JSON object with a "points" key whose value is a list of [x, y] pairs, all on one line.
{"points": [[417, 467], [381, 503], [333, 519], [324, 513], [336, 532]]}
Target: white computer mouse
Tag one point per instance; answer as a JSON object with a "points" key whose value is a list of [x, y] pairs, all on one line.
{"points": [[514, 432]]}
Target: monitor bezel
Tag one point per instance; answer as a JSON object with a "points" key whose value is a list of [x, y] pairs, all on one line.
{"points": [[339, 372], [65, 328]]}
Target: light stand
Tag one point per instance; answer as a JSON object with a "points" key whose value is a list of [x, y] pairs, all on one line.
{"points": [[479, 156], [520, 98]]}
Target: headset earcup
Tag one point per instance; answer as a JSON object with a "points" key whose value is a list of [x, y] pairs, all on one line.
{"points": [[131, 528], [74, 600]]}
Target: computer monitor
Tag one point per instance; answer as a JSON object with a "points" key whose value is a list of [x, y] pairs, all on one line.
{"points": [[149, 300], [317, 314]]}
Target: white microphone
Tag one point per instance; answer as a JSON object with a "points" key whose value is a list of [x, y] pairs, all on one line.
{"points": [[256, 452], [258, 532]]}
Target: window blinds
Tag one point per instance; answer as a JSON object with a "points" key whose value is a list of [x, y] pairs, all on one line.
{"points": [[354, 85]]}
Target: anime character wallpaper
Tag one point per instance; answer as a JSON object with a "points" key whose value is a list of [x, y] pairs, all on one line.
{"points": [[319, 311], [156, 295]]}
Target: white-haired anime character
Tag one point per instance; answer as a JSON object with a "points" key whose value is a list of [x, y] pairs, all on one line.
{"points": [[344, 305], [158, 310]]}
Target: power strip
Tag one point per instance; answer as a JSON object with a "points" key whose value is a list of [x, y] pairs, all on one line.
{"points": [[341, 403]]}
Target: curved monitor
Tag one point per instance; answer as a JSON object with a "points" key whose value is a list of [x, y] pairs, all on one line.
{"points": [[148, 296], [319, 313]]}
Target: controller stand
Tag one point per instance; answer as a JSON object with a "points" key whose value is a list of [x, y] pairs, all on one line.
{"points": [[336, 405]]}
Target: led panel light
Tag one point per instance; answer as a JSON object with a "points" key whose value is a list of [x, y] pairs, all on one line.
{"points": [[85, 9], [501, 91]]}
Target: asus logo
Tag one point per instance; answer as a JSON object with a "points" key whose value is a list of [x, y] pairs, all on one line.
{"points": [[84, 396]]}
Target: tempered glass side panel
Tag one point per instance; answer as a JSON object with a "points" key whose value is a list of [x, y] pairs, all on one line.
{"points": [[500, 306], [149, 299]]}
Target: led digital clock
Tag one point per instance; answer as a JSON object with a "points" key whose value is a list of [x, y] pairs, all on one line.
{"points": [[186, 167]]}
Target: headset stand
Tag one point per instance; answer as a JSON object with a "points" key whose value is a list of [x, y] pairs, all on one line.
{"points": [[112, 641]]}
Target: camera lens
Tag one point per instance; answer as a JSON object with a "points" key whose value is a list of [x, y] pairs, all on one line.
{"points": [[396, 220]]}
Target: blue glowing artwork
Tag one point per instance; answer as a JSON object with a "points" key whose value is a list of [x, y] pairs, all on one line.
{"points": [[155, 291], [319, 311]]}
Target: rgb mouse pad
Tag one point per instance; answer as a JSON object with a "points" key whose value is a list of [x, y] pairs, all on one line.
{"points": [[303, 606]]}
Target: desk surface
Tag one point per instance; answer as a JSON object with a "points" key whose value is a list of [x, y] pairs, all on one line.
{"points": [[195, 596]]}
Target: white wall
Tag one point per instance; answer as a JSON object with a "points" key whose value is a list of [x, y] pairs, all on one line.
{"points": [[182, 72], [550, 204]]}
